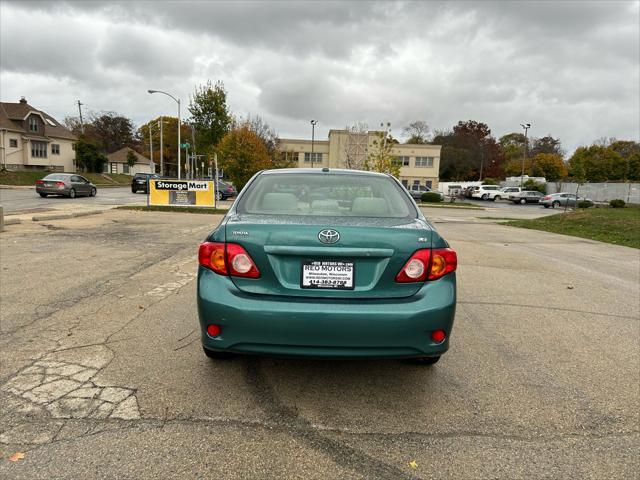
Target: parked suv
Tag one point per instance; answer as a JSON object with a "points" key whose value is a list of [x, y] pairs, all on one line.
{"points": [[503, 193], [140, 182], [484, 191]]}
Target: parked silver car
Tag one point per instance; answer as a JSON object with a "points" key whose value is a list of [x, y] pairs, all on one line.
{"points": [[555, 200], [416, 191], [526, 196], [65, 184]]}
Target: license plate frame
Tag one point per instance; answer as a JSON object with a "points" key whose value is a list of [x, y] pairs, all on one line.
{"points": [[328, 274]]}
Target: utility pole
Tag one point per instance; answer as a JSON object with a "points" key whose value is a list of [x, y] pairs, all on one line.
{"points": [[193, 152], [313, 134], [526, 127], [161, 149], [80, 112], [151, 144]]}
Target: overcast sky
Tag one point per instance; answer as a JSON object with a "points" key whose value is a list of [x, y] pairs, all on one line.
{"points": [[571, 69]]}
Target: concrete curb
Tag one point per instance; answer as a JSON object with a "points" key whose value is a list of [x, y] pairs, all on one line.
{"points": [[63, 216], [12, 221], [17, 187]]}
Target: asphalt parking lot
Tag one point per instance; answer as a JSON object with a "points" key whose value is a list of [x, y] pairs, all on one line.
{"points": [[102, 373]]}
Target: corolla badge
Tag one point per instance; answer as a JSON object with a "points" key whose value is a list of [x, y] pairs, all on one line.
{"points": [[328, 236]]}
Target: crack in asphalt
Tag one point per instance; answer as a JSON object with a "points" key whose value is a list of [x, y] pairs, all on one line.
{"points": [[547, 307]]}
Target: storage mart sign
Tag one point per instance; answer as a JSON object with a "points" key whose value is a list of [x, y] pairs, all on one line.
{"points": [[190, 193]]}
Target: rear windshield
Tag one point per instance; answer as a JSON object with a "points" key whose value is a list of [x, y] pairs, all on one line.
{"points": [[55, 176], [333, 195]]}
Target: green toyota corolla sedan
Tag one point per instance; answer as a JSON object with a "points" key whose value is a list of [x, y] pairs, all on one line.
{"points": [[326, 263]]}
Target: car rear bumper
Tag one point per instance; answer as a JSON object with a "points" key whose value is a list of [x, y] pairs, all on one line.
{"points": [[321, 327], [52, 190]]}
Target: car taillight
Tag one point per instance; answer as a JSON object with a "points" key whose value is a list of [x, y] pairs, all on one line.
{"points": [[227, 259], [546, 197], [443, 261], [59, 184], [39, 182], [428, 264]]}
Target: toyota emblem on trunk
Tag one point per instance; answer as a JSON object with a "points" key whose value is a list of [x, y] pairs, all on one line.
{"points": [[328, 236]]}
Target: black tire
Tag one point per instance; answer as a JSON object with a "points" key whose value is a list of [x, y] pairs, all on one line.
{"points": [[43, 195], [424, 360], [219, 196], [133, 190], [522, 201], [546, 206], [94, 192], [72, 193], [484, 196], [555, 204], [496, 198], [215, 355]]}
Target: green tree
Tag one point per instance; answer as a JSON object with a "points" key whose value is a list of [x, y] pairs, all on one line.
{"points": [[112, 131], [628, 167], [131, 158], [89, 156], [594, 164], [169, 140], [210, 115], [242, 153], [546, 144], [549, 165], [380, 158]]}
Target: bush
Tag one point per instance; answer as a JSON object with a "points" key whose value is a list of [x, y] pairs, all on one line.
{"points": [[535, 186], [431, 197], [617, 203], [585, 204]]}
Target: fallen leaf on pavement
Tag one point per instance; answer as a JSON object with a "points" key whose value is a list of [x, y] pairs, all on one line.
{"points": [[140, 307], [413, 464], [16, 456]]}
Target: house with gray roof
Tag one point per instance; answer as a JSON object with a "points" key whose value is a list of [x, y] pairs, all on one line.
{"points": [[30, 139]]}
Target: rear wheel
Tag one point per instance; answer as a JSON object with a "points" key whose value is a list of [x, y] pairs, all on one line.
{"points": [[43, 195], [496, 198], [424, 360], [219, 196], [215, 355], [555, 204], [133, 190], [522, 201], [72, 193], [93, 192], [484, 196]]}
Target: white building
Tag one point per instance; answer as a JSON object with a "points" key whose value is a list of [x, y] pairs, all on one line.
{"points": [[117, 163]]}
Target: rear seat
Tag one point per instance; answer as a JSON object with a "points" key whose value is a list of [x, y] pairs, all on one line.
{"points": [[369, 206], [324, 207]]}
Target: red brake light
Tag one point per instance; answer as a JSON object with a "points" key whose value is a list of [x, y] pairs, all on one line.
{"points": [[428, 264], [546, 197], [59, 184], [227, 259], [39, 182]]}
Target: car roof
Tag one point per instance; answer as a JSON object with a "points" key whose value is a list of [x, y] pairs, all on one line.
{"points": [[322, 171]]}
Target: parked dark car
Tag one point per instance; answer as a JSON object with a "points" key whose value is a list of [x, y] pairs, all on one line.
{"points": [[225, 190], [526, 196], [66, 185], [140, 182]]}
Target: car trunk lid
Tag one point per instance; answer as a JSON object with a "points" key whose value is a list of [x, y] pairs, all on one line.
{"points": [[369, 254]]}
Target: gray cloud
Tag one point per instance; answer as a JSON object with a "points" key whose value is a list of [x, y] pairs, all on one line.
{"points": [[570, 68]]}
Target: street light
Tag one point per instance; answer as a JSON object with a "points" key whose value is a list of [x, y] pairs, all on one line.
{"points": [[313, 132], [177, 100], [526, 127]]}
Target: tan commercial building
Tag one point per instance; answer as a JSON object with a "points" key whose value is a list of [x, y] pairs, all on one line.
{"points": [[30, 139], [420, 164]]}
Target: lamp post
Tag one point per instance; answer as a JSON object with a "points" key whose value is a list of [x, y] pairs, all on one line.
{"points": [[313, 134], [526, 127], [177, 100]]}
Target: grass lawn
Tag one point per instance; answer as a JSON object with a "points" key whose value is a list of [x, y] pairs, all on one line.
{"points": [[169, 208], [29, 178], [620, 226]]}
